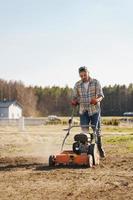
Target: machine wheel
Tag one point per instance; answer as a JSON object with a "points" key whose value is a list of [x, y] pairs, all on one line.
{"points": [[93, 150], [51, 161], [90, 161]]}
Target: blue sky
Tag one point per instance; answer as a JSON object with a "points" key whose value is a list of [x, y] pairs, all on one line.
{"points": [[44, 42]]}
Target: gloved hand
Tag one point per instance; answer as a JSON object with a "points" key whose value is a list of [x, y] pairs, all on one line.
{"points": [[94, 101], [74, 102]]}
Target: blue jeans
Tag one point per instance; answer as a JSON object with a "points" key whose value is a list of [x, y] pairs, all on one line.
{"points": [[85, 119]]}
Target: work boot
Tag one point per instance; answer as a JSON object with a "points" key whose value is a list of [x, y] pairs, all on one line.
{"points": [[91, 137], [100, 148]]}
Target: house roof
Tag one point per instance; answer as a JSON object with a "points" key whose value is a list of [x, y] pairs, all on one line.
{"points": [[6, 104]]}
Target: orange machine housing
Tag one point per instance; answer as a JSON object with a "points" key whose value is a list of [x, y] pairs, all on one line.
{"points": [[69, 157]]}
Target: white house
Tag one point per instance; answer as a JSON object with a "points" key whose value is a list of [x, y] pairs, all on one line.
{"points": [[10, 109]]}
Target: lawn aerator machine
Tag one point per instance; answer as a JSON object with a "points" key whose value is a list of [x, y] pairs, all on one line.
{"points": [[84, 150]]}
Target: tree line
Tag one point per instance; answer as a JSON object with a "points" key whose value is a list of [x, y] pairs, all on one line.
{"points": [[43, 101]]}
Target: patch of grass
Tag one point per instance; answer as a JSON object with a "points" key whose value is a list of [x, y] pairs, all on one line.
{"points": [[119, 139], [124, 142], [119, 129], [130, 148], [114, 122]]}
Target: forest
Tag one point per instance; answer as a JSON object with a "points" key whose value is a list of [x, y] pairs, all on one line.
{"points": [[42, 101]]}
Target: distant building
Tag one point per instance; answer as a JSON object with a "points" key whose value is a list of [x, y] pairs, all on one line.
{"points": [[10, 109]]}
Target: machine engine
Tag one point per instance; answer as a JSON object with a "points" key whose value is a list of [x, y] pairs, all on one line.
{"points": [[81, 144]]}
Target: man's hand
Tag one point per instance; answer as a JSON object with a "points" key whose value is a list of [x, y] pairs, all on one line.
{"points": [[94, 101], [74, 103]]}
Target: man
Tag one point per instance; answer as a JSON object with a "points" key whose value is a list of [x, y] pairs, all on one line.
{"points": [[88, 94]]}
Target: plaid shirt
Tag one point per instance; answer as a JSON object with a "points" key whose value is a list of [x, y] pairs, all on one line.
{"points": [[84, 96]]}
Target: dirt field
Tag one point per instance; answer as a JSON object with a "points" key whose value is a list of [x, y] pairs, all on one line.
{"points": [[24, 173]]}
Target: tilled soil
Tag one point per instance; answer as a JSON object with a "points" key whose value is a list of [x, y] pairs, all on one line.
{"points": [[31, 178], [25, 175]]}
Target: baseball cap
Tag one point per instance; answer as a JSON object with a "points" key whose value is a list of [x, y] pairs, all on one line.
{"points": [[83, 69]]}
